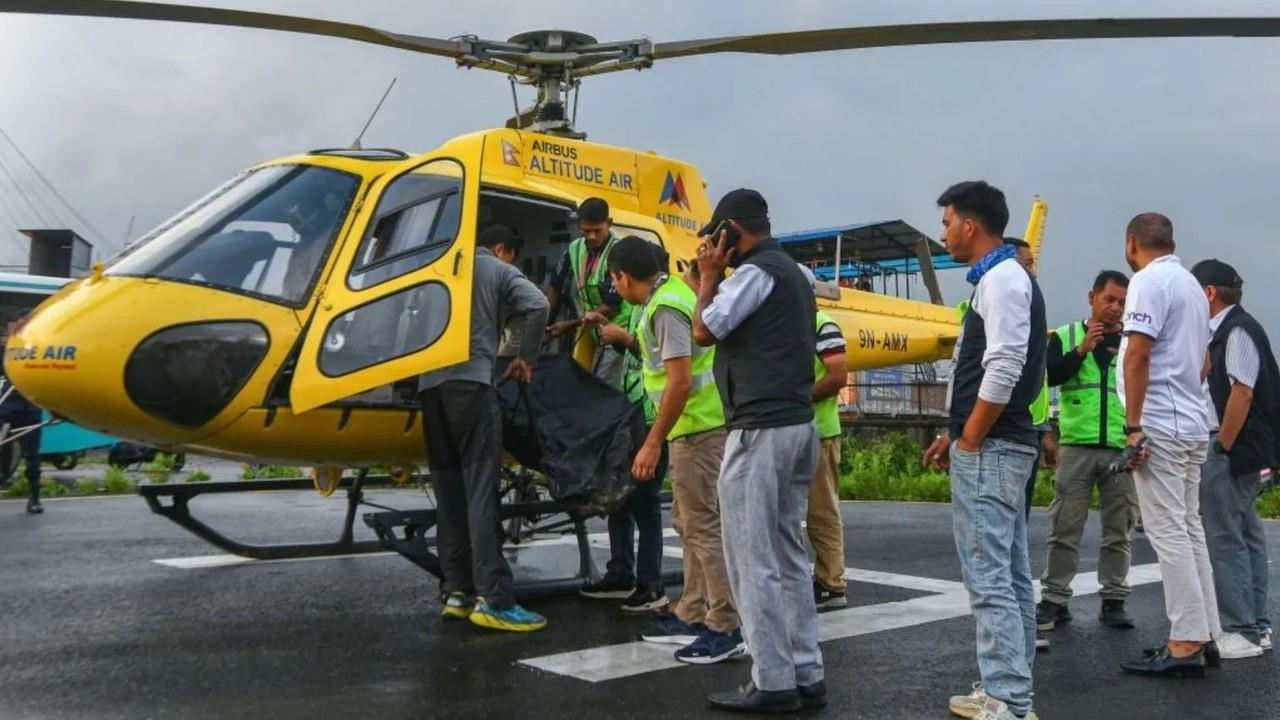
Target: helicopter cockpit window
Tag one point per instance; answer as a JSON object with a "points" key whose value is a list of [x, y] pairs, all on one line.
{"points": [[416, 222], [265, 234]]}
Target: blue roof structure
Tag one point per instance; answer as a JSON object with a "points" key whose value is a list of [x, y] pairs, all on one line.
{"points": [[874, 248]]}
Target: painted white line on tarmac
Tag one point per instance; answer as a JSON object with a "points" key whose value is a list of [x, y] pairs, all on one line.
{"points": [[612, 662]]}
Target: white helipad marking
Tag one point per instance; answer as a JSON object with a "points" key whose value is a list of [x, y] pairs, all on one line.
{"points": [[611, 662]]}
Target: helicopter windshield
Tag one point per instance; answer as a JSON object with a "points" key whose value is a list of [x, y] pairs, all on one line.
{"points": [[265, 233]]}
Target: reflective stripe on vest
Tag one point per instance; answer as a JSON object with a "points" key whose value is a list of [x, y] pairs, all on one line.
{"points": [[826, 412], [703, 409], [1085, 403], [588, 287]]}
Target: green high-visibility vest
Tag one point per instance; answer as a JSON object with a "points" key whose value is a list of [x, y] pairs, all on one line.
{"points": [[1039, 407], [703, 410], [825, 412], [1089, 410], [588, 287], [633, 377]]}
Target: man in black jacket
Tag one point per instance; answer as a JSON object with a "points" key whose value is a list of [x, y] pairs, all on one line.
{"points": [[1244, 397], [761, 322], [16, 415]]}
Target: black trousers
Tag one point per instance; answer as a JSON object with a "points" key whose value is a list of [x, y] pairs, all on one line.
{"points": [[28, 444], [462, 428]]}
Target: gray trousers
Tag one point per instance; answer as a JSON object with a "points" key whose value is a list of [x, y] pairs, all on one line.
{"points": [[1237, 546], [1080, 470], [462, 427], [764, 490], [1169, 494]]}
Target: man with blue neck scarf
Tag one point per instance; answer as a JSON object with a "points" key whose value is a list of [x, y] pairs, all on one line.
{"points": [[999, 369]]}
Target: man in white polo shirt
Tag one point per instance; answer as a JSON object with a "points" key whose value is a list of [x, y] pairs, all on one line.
{"points": [[1162, 356]]}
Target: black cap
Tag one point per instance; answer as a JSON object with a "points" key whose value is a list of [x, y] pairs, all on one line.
{"points": [[736, 205], [1216, 273]]}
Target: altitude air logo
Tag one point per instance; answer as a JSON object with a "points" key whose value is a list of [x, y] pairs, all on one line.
{"points": [[673, 192]]}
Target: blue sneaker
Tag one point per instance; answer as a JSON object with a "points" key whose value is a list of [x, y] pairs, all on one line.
{"points": [[713, 647], [671, 630], [511, 619]]}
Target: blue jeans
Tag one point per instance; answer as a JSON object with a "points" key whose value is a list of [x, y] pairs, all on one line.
{"points": [[988, 490], [642, 512]]}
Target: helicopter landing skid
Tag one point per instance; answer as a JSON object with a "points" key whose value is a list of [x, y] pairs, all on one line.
{"points": [[179, 512], [405, 532]]}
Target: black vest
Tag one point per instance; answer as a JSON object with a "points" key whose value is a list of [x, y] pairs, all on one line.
{"points": [[1255, 447], [764, 368], [1014, 422]]}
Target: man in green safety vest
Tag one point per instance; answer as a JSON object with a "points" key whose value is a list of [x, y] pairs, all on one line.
{"points": [[824, 523], [1082, 362], [584, 269], [678, 380]]}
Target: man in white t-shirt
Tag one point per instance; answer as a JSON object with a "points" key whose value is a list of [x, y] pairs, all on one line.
{"points": [[1162, 356]]}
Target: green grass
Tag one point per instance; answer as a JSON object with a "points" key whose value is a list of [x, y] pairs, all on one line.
{"points": [[198, 477], [271, 472], [85, 486], [163, 463], [116, 482], [889, 468]]}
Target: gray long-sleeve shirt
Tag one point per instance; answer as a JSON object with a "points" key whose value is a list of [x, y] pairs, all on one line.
{"points": [[498, 291]]}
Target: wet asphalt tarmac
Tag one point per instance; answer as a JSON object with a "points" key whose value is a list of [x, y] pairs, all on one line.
{"points": [[93, 628]]}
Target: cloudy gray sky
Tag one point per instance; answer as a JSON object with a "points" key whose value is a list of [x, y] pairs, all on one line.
{"points": [[137, 119]]}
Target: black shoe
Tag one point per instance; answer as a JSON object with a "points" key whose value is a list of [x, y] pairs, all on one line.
{"points": [[813, 696], [607, 588], [1162, 664], [643, 601], [1050, 614], [825, 598], [1113, 615], [748, 699], [1212, 658], [34, 507]]}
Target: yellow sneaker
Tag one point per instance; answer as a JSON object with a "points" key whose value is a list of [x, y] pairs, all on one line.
{"points": [[510, 619], [458, 606]]}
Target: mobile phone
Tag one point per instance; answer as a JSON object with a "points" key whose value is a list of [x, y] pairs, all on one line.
{"points": [[733, 236]]}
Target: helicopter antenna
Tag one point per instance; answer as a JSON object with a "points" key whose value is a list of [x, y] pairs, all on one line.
{"points": [[515, 101], [355, 144]]}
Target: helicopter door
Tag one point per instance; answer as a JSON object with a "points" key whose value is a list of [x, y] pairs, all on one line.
{"points": [[398, 302]]}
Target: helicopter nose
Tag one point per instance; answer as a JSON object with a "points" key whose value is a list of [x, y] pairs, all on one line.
{"points": [[141, 359]]}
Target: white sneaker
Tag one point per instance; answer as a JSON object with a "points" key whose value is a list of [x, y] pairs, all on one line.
{"points": [[1266, 639], [994, 709], [1234, 646], [968, 706]]}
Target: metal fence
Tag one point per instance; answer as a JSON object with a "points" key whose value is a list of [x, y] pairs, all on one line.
{"points": [[898, 392]]}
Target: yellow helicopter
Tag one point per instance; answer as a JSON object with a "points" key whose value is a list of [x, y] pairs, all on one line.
{"points": [[285, 315]]}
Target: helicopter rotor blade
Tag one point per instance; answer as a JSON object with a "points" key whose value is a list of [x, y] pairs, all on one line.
{"points": [[810, 41], [237, 18]]}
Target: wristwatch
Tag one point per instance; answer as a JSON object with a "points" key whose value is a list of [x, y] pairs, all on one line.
{"points": [[1131, 429]]}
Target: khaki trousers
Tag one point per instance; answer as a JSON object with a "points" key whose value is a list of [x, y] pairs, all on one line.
{"points": [[826, 528], [695, 515]]}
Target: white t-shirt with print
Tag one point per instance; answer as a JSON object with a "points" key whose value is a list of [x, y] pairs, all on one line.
{"points": [[1166, 303]]}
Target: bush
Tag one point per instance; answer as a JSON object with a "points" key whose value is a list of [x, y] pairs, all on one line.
{"points": [[198, 476], [116, 482], [163, 463], [85, 486]]}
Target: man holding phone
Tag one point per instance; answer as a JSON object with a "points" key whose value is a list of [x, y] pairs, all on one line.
{"points": [[1162, 357], [761, 321]]}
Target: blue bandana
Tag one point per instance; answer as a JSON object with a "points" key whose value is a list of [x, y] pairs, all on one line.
{"points": [[990, 260]]}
